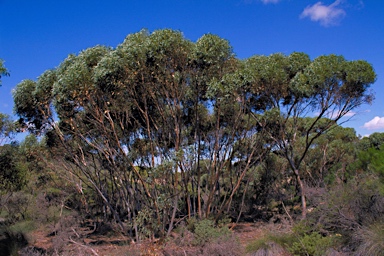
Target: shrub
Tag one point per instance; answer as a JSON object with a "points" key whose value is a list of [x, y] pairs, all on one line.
{"points": [[205, 231], [226, 245], [312, 244], [268, 245], [352, 210], [23, 226], [301, 241], [146, 224], [15, 206], [259, 244], [205, 237], [370, 239]]}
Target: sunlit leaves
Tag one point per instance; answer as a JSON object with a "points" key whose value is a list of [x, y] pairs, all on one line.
{"points": [[27, 107], [212, 50]]}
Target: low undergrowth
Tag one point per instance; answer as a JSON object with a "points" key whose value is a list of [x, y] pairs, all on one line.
{"points": [[203, 237], [301, 241]]}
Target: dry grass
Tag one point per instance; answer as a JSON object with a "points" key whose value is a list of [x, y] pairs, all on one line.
{"points": [[371, 240]]}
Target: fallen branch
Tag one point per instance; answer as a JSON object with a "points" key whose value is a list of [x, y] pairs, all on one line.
{"points": [[87, 247]]}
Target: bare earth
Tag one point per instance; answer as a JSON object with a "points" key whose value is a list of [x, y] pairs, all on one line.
{"points": [[121, 246]]}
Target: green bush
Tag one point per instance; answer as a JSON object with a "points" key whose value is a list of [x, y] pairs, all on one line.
{"points": [[312, 244], [259, 244], [353, 210], [23, 227], [301, 241], [16, 206], [206, 231], [271, 244]]}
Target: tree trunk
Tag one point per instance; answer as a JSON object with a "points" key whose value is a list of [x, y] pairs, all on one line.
{"points": [[302, 193], [173, 215]]}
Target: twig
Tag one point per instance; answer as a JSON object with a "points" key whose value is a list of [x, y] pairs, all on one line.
{"points": [[79, 244], [78, 236], [286, 211]]}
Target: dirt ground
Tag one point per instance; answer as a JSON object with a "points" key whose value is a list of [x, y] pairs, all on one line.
{"points": [[122, 246]]}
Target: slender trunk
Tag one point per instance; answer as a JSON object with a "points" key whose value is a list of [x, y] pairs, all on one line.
{"points": [[198, 182], [176, 182], [189, 206], [107, 204], [173, 215], [197, 138], [199, 195], [242, 201], [214, 169], [302, 192], [149, 135]]}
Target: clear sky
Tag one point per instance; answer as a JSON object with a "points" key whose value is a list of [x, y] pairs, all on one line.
{"points": [[36, 35]]}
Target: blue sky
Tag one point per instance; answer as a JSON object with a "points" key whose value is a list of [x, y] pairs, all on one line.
{"points": [[38, 35]]}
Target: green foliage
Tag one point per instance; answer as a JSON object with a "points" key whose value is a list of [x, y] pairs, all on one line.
{"points": [[145, 224], [328, 161], [13, 173], [270, 242], [301, 241], [372, 160], [25, 226], [16, 207], [312, 244], [259, 244], [375, 140], [205, 231]]}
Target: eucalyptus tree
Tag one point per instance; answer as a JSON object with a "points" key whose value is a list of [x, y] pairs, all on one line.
{"points": [[154, 80], [127, 117], [328, 160], [375, 140], [369, 156], [293, 87], [235, 145]]}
